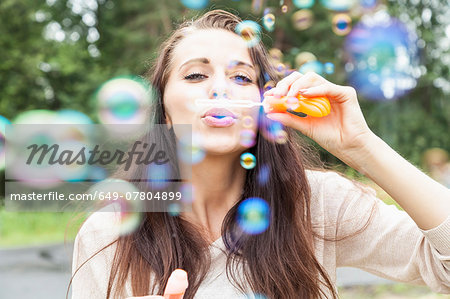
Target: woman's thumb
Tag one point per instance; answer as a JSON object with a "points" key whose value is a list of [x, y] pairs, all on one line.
{"points": [[176, 285]]}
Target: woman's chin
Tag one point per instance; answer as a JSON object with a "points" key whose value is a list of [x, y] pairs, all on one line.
{"points": [[222, 147]]}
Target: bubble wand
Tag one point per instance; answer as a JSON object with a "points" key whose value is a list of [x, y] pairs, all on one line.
{"points": [[316, 107]]}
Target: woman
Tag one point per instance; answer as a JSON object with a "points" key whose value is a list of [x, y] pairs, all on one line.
{"points": [[318, 221]]}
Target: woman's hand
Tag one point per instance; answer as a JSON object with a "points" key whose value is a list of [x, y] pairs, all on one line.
{"points": [[341, 132]]}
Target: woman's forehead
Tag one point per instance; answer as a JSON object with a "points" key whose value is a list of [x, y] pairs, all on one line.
{"points": [[215, 44]]}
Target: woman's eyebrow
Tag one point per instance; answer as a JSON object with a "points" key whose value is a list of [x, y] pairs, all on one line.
{"points": [[203, 60], [235, 63]]}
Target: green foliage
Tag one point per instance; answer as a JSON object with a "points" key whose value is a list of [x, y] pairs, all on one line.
{"points": [[44, 73]]}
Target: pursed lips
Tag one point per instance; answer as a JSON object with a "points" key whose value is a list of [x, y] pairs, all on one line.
{"points": [[219, 113]]}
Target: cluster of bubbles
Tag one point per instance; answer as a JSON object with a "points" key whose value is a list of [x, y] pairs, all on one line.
{"points": [[382, 59], [253, 215]]}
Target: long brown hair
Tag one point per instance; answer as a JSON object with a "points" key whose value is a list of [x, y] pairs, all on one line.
{"points": [[278, 263]]}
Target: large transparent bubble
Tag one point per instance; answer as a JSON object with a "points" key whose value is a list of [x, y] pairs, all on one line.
{"points": [[382, 57]]}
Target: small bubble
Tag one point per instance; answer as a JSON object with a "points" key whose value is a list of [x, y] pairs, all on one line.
{"points": [[248, 160], [269, 22], [250, 31], [342, 24], [302, 19], [328, 67], [253, 215], [247, 138]]}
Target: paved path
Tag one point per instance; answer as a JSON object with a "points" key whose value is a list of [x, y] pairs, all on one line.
{"points": [[44, 272]]}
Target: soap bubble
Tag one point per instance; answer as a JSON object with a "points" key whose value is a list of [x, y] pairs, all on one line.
{"points": [[328, 67], [304, 57], [41, 175], [158, 176], [269, 22], [195, 4], [368, 3], [116, 191], [272, 130], [292, 103], [312, 66], [256, 5], [342, 24], [253, 215], [382, 57], [263, 175], [247, 138], [187, 192], [248, 160], [281, 137], [174, 209], [303, 3], [36, 117], [338, 5], [250, 31], [3, 123], [276, 54], [190, 149], [247, 122], [269, 85], [68, 116], [124, 101], [302, 19], [284, 9]]}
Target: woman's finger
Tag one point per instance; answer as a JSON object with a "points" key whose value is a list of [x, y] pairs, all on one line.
{"points": [[308, 80], [333, 91], [283, 85]]}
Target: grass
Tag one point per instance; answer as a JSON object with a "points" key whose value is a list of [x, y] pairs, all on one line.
{"points": [[30, 228]]}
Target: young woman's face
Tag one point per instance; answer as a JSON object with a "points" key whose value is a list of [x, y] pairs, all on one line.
{"points": [[212, 64]]}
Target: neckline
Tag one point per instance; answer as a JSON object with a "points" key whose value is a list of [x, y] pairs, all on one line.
{"points": [[215, 243]]}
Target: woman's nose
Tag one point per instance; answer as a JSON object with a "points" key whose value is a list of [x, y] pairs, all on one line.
{"points": [[219, 89]]}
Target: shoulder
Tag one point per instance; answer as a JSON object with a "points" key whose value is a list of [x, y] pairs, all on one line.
{"points": [[99, 230], [335, 197], [333, 186]]}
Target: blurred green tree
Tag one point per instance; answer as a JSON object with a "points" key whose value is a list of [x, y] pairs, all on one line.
{"points": [[56, 53]]}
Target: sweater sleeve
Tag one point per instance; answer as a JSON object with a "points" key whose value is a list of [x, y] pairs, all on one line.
{"points": [[91, 264], [389, 243]]}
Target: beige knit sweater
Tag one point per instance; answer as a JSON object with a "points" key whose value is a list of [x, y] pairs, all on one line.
{"points": [[392, 246]]}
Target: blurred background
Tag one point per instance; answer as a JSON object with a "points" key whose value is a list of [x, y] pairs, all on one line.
{"points": [[56, 54]]}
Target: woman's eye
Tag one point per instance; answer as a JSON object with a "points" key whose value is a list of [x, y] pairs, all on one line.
{"points": [[195, 76], [242, 79]]}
